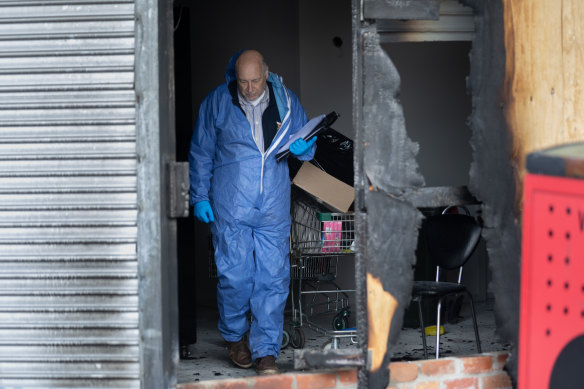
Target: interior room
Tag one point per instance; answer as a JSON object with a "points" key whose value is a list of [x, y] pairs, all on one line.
{"points": [[309, 44]]}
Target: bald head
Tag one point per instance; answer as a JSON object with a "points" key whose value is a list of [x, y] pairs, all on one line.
{"points": [[252, 73]]}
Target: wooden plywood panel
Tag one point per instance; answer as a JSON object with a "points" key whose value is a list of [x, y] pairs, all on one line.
{"points": [[544, 43]]}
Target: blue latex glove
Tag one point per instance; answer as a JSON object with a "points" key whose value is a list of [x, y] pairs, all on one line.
{"points": [[300, 147], [203, 211]]}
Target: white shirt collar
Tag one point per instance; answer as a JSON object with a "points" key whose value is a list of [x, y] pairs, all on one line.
{"points": [[257, 101]]}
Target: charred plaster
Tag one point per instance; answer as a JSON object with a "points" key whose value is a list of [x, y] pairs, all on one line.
{"points": [[389, 154], [360, 184], [386, 171], [492, 179], [392, 231], [390, 170]]}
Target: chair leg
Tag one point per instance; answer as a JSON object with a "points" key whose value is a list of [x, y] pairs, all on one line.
{"points": [[474, 322], [422, 327], [438, 328]]}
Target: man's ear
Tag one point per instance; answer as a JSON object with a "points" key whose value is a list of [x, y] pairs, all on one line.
{"points": [[267, 73]]}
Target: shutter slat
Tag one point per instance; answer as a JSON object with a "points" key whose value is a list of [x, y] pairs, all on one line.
{"points": [[68, 202]]}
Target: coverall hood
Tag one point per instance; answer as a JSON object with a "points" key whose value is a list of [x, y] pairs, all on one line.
{"points": [[280, 92]]}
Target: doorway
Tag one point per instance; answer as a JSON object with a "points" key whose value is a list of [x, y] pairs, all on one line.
{"points": [[303, 46], [288, 33]]}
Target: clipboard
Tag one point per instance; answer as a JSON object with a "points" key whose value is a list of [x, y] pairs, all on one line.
{"points": [[310, 129]]}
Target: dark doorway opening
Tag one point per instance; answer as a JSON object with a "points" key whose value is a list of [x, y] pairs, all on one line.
{"points": [[202, 48], [187, 292]]}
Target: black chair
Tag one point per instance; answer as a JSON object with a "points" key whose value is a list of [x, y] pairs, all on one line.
{"points": [[451, 240]]}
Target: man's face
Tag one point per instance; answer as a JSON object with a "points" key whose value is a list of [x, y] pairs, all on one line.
{"points": [[251, 80]]}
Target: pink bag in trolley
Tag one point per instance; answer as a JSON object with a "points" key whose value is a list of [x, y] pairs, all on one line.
{"points": [[331, 236]]}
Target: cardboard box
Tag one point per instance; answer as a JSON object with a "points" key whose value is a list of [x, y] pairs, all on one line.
{"points": [[331, 192]]}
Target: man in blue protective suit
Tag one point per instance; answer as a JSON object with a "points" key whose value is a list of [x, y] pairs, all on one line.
{"points": [[239, 188]]}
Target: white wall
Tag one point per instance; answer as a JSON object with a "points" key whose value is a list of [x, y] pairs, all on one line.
{"points": [[326, 70], [436, 106], [433, 89], [221, 28]]}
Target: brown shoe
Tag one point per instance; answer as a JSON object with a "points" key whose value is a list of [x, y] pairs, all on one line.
{"points": [[267, 365], [240, 354]]}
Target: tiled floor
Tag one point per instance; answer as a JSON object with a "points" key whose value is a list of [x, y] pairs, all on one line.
{"points": [[208, 360]]}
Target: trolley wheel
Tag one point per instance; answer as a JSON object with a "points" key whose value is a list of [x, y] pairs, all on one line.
{"points": [[297, 338], [340, 322], [285, 339]]}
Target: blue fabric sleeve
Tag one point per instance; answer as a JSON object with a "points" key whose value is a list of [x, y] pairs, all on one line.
{"points": [[299, 119], [202, 151]]}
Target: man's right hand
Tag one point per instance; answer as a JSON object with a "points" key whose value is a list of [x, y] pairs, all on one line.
{"points": [[301, 147], [203, 211]]}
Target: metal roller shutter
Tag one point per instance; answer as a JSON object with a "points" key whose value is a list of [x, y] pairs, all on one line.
{"points": [[68, 202]]}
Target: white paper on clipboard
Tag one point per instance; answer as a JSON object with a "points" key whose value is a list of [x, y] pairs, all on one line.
{"points": [[311, 128]]}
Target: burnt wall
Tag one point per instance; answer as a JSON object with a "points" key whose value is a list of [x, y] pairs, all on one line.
{"points": [[389, 222], [385, 170], [492, 178]]}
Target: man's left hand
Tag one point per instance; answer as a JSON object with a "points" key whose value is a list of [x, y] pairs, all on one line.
{"points": [[300, 147]]}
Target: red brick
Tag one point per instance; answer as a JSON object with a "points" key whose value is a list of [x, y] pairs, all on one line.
{"points": [[235, 383], [428, 385], [316, 381], [438, 367], [347, 377], [496, 381], [462, 383], [402, 372], [477, 364], [502, 360], [282, 381]]}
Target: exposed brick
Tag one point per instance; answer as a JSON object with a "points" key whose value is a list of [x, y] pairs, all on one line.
{"points": [[502, 360], [437, 367], [407, 385], [347, 377], [316, 381], [402, 372], [283, 381], [496, 381], [235, 383], [462, 383], [428, 385], [477, 364], [403, 376], [402, 385]]}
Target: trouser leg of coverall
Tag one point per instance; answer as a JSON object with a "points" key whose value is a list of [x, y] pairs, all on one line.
{"points": [[235, 270], [271, 286]]}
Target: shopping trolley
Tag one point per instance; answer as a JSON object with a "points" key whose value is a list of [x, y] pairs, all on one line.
{"points": [[319, 243]]}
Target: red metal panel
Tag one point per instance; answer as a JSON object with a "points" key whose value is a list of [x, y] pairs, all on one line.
{"points": [[552, 275]]}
